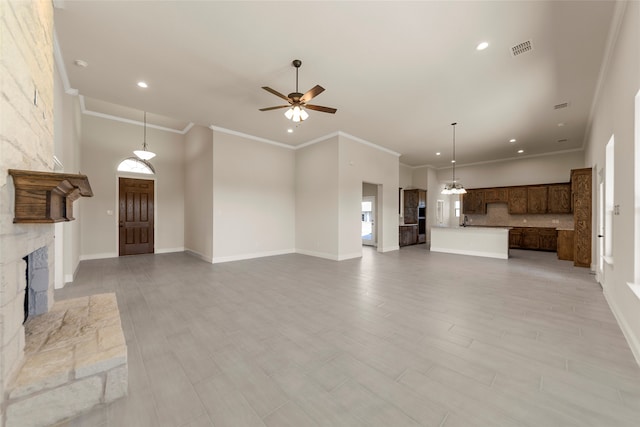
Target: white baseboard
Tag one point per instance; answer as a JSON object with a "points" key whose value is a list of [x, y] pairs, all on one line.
{"points": [[217, 260], [391, 248], [350, 256], [632, 339], [99, 256], [324, 255], [170, 250], [199, 255]]}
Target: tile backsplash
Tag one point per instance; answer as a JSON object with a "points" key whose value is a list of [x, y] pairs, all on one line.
{"points": [[498, 215]]}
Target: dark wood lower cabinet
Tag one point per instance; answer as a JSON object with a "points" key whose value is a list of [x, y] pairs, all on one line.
{"points": [[536, 238], [408, 235], [565, 245]]}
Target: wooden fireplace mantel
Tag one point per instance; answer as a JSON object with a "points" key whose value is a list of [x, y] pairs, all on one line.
{"points": [[45, 197]]}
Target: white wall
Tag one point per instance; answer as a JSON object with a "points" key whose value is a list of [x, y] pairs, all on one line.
{"points": [[198, 192], [358, 163], [105, 143], [67, 136], [316, 199], [530, 170], [253, 198], [614, 115], [406, 176]]}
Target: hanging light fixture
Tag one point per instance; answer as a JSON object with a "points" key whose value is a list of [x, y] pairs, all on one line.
{"points": [[144, 154], [454, 187]]}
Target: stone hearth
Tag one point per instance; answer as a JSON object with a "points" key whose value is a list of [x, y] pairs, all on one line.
{"points": [[75, 358]]}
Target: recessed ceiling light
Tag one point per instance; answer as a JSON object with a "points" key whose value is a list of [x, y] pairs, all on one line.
{"points": [[482, 46], [520, 151], [143, 85], [453, 161], [290, 130], [81, 63], [512, 140], [437, 154], [560, 124]]}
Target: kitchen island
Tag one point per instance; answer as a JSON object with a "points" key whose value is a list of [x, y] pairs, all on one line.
{"points": [[492, 242]]}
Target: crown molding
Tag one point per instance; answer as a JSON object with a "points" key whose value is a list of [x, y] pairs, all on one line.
{"points": [[62, 70], [251, 137]]}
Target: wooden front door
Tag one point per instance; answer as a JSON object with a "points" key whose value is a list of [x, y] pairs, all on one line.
{"points": [[136, 216]]}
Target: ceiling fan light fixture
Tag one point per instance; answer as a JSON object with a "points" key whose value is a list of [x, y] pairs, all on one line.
{"points": [[289, 113], [296, 114]]}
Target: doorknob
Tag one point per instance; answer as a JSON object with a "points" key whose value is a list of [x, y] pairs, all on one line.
{"points": [[600, 235]]}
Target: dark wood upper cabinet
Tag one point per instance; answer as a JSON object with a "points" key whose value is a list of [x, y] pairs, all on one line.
{"points": [[559, 198], [473, 202], [537, 199], [517, 200], [496, 195], [411, 202]]}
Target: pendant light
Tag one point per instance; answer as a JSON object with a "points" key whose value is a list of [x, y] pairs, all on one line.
{"points": [[454, 187], [145, 154]]}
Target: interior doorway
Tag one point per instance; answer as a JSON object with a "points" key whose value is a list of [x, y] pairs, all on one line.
{"points": [[136, 216], [369, 214], [368, 232]]}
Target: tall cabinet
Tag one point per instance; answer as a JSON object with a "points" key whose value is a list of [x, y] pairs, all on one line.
{"points": [[581, 193], [415, 212]]}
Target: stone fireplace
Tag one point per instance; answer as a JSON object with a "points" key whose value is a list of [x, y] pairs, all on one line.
{"points": [[40, 372], [36, 297]]}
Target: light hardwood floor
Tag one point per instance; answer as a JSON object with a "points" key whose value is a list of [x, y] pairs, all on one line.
{"points": [[406, 338]]}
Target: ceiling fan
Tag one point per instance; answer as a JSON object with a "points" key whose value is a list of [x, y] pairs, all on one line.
{"points": [[298, 101]]}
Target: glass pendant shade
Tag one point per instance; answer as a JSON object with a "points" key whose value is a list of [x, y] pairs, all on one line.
{"points": [[144, 154]]}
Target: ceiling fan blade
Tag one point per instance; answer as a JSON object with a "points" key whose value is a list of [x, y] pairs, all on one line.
{"points": [[313, 92], [275, 108], [276, 93], [321, 108]]}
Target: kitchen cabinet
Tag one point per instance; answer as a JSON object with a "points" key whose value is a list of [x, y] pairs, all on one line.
{"points": [[473, 202], [530, 238], [515, 238], [565, 245], [559, 198], [517, 200], [415, 212], [411, 200], [496, 195], [408, 235], [537, 199], [547, 239], [536, 238], [581, 193]]}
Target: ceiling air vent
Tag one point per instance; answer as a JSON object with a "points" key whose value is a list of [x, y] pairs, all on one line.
{"points": [[521, 48], [563, 140], [561, 106]]}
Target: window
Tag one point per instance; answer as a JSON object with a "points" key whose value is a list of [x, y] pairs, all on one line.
{"points": [[457, 208], [136, 165]]}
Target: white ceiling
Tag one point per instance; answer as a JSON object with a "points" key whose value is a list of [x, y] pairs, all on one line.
{"points": [[399, 73]]}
